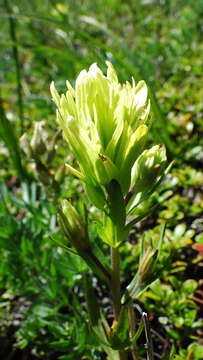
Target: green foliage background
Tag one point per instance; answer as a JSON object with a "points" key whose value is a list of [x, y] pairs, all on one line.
{"points": [[42, 307]]}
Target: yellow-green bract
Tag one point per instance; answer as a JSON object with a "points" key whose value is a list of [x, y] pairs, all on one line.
{"points": [[105, 124], [148, 167], [72, 226]]}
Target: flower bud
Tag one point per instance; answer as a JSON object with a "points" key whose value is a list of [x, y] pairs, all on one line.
{"points": [[25, 144], [72, 226], [60, 174], [146, 264], [147, 168], [37, 143], [142, 277]]}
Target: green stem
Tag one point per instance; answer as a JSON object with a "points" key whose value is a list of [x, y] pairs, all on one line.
{"points": [[123, 355], [115, 282], [116, 290]]}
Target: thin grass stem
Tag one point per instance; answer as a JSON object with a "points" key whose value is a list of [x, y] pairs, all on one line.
{"points": [[12, 28], [149, 344]]}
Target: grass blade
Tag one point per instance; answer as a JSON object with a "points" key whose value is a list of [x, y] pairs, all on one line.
{"points": [[8, 136]]}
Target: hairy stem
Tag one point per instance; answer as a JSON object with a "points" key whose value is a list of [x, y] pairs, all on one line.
{"points": [[116, 290], [115, 282]]}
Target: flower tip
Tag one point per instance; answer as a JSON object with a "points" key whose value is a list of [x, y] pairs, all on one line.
{"points": [[52, 88], [94, 69], [70, 88], [54, 93], [111, 72]]}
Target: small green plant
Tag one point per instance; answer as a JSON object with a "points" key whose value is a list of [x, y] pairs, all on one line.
{"points": [[106, 125]]}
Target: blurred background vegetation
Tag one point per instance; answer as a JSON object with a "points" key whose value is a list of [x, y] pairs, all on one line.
{"points": [[42, 305]]}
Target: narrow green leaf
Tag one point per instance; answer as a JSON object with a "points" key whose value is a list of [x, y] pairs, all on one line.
{"points": [[119, 332], [91, 300], [8, 136], [138, 333], [116, 203]]}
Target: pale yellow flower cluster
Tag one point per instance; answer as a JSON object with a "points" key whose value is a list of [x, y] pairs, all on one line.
{"points": [[106, 125]]}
